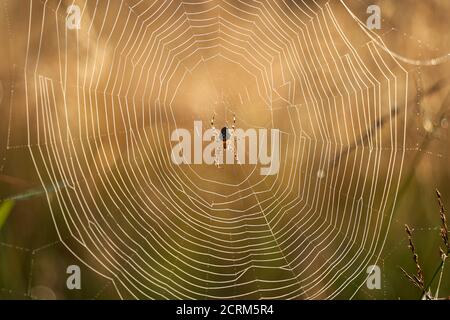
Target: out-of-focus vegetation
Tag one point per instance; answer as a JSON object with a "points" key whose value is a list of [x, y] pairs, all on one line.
{"points": [[33, 261], [5, 209]]}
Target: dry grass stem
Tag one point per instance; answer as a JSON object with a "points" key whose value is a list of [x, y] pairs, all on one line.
{"points": [[444, 227], [417, 279]]}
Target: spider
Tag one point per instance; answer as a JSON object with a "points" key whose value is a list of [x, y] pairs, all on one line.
{"points": [[226, 134]]}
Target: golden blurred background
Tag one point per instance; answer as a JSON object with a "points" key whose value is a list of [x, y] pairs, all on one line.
{"points": [[85, 123]]}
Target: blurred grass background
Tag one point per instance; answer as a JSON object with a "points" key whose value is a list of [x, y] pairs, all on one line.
{"points": [[33, 261]]}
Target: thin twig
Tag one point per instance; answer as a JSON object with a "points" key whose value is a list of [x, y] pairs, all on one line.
{"points": [[417, 279], [444, 227], [444, 236]]}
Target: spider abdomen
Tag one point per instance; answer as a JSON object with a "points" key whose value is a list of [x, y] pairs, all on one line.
{"points": [[224, 136]]}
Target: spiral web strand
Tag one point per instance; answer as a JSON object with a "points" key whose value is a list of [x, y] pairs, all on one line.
{"points": [[100, 117]]}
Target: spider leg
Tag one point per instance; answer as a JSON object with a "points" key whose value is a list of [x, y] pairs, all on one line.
{"points": [[216, 159], [234, 149], [216, 162], [212, 121], [234, 136], [217, 138], [213, 127]]}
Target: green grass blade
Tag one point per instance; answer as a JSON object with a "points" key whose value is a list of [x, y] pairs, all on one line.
{"points": [[5, 209]]}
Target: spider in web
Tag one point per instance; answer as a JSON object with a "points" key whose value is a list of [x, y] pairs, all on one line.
{"points": [[227, 137]]}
